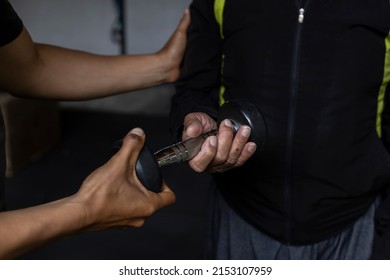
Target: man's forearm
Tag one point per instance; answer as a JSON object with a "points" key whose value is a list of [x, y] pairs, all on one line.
{"points": [[51, 72], [74, 75], [26, 229]]}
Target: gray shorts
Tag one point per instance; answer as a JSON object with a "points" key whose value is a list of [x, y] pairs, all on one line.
{"points": [[231, 237]]}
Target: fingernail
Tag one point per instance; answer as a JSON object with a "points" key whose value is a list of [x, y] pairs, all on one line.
{"points": [[246, 131], [227, 123], [137, 131], [252, 147], [213, 141]]}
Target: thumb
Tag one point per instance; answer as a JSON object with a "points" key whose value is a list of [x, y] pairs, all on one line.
{"points": [[132, 145], [185, 21]]}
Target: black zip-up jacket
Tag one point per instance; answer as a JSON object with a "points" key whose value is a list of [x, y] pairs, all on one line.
{"points": [[318, 70]]}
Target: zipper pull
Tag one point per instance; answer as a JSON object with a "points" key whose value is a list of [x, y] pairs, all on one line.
{"points": [[301, 15]]}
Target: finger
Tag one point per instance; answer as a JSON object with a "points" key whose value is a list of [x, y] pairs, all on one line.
{"points": [[205, 156], [131, 147], [135, 137], [164, 198], [192, 128], [225, 140], [239, 141], [185, 21], [178, 38], [248, 151]]}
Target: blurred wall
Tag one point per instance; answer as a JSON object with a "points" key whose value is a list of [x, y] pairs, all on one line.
{"points": [[87, 25]]}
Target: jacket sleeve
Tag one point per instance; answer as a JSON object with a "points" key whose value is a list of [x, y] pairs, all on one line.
{"points": [[197, 88]]}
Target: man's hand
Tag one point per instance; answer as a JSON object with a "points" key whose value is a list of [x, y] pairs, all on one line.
{"points": [[173, 51], [114, 197], [30, 69], [110, 197], [218, 153]]}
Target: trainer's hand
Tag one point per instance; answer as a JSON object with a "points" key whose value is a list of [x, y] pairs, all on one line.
{"points": [[218, 153], [114, 197], [173, 51]]}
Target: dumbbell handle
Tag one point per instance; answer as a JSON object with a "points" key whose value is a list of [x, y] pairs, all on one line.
{"points": [[182, 151], [147, 166], [239, 112]]}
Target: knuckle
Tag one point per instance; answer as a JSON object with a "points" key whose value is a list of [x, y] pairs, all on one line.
{"points": [[220, 157], [226, 135], [150, 209], [218, 161], [231, 161]]}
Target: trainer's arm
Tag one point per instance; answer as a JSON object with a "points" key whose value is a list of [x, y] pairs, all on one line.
{"points": [[110, 197], [29, 69]]}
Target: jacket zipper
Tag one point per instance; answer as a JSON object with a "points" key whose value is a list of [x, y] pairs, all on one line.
{"points": [[291, 123]]}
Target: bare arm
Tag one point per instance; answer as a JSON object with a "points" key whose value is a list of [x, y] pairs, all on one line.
{"points": [[111, 197], [37, 70]]}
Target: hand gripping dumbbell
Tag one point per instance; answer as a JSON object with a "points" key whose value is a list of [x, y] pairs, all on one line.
{"points": [[239, 112]]}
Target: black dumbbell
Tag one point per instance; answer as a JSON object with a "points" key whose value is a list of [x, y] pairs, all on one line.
{"points": [[239, 112]]}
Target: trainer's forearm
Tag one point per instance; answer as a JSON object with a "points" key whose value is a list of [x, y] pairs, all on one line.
{"points": [[26, 229], [51, 72], [74, 75]]}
